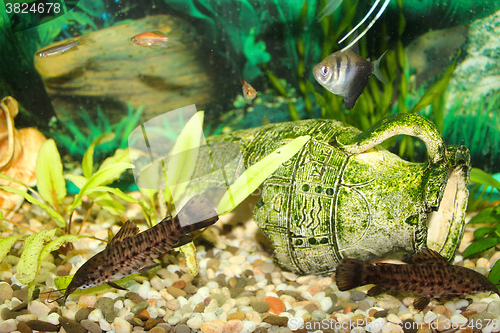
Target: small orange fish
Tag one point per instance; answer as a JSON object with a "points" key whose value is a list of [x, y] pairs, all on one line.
{"points": [[154, 39], [249, 92]]}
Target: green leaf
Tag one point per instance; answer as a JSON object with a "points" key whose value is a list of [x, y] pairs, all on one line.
{"points": [[480, 246], [97, 179], [181, 161], [49, 174], [255, 175], [481, 232], [56, 244], [481, 177], [27, 268], [49, 210], [88, 157], [120, 156], [6, 244], [276, 83], [494, 275], [485, 216], [438, 88]]}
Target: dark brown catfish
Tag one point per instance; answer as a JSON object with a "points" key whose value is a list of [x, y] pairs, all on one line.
{"points": [[130, 252], [428, 274]]}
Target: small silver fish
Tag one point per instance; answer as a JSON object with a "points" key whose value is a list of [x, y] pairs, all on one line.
{"points": [[428, 274], [130, 252], [346, 74], [62, 48]]}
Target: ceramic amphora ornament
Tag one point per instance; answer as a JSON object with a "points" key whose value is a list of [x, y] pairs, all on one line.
{"points": [[342, 195]]}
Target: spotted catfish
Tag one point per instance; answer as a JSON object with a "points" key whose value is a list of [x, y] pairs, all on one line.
{"points": [[428, 274], [130, 252]]}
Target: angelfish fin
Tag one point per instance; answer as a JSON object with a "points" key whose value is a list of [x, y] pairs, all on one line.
{"points": [[377, 72], [429, 256], [114, 285], [128, 229]]}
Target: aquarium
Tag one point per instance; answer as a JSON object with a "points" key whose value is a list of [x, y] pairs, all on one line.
{"points": [[249, 166]]}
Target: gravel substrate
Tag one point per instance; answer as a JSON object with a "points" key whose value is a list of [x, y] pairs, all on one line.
{"points": [[238, 289]]}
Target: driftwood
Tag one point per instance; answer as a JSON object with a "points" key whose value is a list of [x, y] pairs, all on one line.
{"points": [[111, 71]]}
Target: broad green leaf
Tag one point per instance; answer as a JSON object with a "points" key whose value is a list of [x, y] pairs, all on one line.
{"points": [[49, 174], [255, 175], [96, 195], [62, 282], [485, 216], [88, 157], [182, 159], [55, 215], [27, 268], [481, 232], [437, 89], [481, 177], [57, 243], [480, 246], [10, 179], [189, 252], [120, 156], [494, 275], [6, 244], [97, 179], [115, 191]]}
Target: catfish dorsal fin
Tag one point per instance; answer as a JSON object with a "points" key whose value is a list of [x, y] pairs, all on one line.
{"points": [[429, 256], [128, 229]]}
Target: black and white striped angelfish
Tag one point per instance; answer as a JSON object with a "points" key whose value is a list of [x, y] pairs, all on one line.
{"points": [[346, 74]]}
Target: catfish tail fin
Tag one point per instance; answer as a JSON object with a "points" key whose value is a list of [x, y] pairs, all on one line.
{"points": [[351, 273], [376, 70], [196, 214]]}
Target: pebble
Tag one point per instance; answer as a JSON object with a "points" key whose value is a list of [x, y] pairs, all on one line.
{"points": [[357, 296], [39, 325], [71, 325], [24, 328], [176, 292], [261, 306], [162, 330], [216, 326], [233, 326], [274, 319], [9, 325], [6, 292], [139, 307], [276, 305], [478, 307], [90, 326], [120, 325], [409, 326], [38, 309], [494, 308], [105, 304], [82, 314], [180, 329]]}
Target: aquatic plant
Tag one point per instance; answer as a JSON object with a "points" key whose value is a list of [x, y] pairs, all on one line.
{"points": [[487, 235], [77, 142]]}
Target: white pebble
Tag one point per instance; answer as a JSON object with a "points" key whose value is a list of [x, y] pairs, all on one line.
{"points": [[195, 322], [458, 319], [95, 315], [461, 303], [173, 268], [358, 329], [394, 318], [157, 283], [120, 325], [392, 328], [174, 320], [144, 290], [430, 317], [325, 303], [237, 260], [248, 327], [212, 285], [53, 318], [210, 316], [450, 306], [8, 326], [26, 317], [38, 308], [105, 326], [376, 325], [153, 312], [418, 318]]}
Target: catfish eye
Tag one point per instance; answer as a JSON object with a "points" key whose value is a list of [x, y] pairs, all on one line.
{"points": [[324, 70]]}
